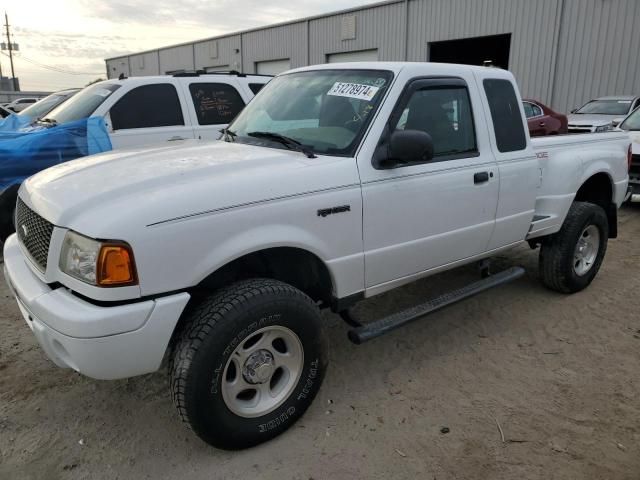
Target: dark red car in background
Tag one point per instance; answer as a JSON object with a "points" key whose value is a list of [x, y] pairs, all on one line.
{"points": [[542, 120]]}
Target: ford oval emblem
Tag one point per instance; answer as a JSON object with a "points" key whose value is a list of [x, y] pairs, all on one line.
{"points": [[25, 230]]}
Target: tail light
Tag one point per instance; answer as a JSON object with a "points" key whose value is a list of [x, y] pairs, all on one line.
{"points": [[629, 158]]}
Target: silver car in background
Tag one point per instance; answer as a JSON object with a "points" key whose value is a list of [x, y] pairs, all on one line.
{"points": [[631, 125], [602, 114]]}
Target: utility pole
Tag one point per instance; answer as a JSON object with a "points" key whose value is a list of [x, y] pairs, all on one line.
{"points": [[10, 46]]}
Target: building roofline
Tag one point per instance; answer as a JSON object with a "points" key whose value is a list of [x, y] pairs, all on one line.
{"points": [[264, 27]]}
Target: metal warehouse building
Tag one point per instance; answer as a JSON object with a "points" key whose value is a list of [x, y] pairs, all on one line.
{"points": [[563, 52]]}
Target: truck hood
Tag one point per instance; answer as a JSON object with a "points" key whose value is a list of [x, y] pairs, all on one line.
{"points": [[148, 186], [587, 120]]}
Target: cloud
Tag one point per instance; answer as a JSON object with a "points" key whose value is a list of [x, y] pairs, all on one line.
{"points": [[221, 16], [96, 30]]}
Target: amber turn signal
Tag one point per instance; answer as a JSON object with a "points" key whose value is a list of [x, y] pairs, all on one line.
{"points": [[116, 267]]}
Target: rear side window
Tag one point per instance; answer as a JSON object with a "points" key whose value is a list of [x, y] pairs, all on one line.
{"points": [[147, 106], [215, 103], [505, 113], [256, 87]]}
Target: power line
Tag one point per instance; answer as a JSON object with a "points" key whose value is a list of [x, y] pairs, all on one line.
{"points": [[52, 68]]}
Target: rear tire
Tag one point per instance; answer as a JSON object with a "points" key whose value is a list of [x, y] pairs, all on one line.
{"points": [[570, 259], [248, 363]]}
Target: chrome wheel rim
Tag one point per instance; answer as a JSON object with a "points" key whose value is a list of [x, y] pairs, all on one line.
{"points": [[586, 250], [262, 371]]}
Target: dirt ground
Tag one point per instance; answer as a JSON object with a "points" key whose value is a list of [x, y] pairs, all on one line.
{"points": [[559, 374]]}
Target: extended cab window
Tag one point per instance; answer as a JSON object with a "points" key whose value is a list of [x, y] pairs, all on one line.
{"points": [[444, 112], [147, 106], [506, 116], [215, 103]]}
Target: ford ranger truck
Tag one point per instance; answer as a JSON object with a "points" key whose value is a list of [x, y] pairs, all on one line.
{"points": [[335, 184]]}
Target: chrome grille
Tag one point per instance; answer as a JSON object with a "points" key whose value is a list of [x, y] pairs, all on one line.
{"points": [[34, 232]]}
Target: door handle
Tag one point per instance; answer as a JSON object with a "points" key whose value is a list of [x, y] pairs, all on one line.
{"points": [[176, 138], [480, 177], [542, 124]]}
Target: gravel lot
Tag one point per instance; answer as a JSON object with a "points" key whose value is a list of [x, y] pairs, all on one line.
{"points": [[559, 374]]}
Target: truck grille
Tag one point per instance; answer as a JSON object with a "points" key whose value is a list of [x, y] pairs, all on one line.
{"points": [[34, 232]]}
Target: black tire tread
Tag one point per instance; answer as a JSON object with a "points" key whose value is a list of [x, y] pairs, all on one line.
{"points": [[204, 317], [559, 247]]}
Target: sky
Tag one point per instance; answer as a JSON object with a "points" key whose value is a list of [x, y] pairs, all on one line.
{"points": [[63, 43]]}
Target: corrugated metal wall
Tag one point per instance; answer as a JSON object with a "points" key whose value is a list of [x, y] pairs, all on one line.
{"points": [[144, 62], [381, 28], [599, 51], [219, 53], [531, 23], [275, 43], [177, 58], [563, 52]]}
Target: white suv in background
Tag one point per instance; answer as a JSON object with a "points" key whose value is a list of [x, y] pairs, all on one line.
{"points": [[21, 103], [146, 110]]}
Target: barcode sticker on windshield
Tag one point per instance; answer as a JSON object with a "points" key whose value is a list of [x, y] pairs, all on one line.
{"points": [[353, 90]]}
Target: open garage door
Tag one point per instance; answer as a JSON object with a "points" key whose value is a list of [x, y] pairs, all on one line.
{"points": [[273, 67], [359, 56], [493, 49]]}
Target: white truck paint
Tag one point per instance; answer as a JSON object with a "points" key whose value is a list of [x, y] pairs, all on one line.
{"points": [[190, 209]]}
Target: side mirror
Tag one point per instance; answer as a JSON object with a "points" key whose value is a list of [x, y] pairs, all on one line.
{"points": [[574, 110], [404, 147]]}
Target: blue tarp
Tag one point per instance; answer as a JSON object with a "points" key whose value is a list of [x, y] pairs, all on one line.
{"points": [[29, 150], [14, 122]]}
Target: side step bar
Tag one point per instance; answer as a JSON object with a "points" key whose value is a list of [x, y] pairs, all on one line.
{"points": [[377, 328]]}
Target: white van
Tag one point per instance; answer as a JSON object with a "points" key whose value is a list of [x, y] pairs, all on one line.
{"points": [[145, 110]]}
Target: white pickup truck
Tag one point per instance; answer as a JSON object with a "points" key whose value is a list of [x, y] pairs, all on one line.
{"points": [[336, 183]]}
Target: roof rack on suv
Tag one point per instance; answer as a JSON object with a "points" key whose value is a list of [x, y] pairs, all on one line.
{"points": [[197, 73]]}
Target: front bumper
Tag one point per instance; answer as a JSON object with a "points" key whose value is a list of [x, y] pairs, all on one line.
{"points": [[103, 342]]}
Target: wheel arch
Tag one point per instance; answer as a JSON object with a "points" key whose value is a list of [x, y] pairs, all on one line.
{"points": [[297, 266], [598, 189]]}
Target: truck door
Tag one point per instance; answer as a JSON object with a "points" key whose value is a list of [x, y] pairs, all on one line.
{"points": [[148, 114], [212, 105], [518, 166], [418, 217]]}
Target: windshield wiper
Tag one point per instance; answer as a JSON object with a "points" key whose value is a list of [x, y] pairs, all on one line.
{"points": [[228, 134], [286, 141]]}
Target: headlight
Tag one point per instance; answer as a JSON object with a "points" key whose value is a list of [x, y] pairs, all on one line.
{"points": [[104, 264], [604, 128]]}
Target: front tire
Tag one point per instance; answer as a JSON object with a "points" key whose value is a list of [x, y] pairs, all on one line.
{"points": [[570, 259], [248, 363]]}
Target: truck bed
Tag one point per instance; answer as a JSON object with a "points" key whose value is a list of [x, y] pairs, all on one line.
{"points": [[557, 153]]}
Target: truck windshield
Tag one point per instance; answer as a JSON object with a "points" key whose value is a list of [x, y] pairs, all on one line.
{"points": [[606, 107], [45, 105], [82, 104], [632, 122], [326, 111]]}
